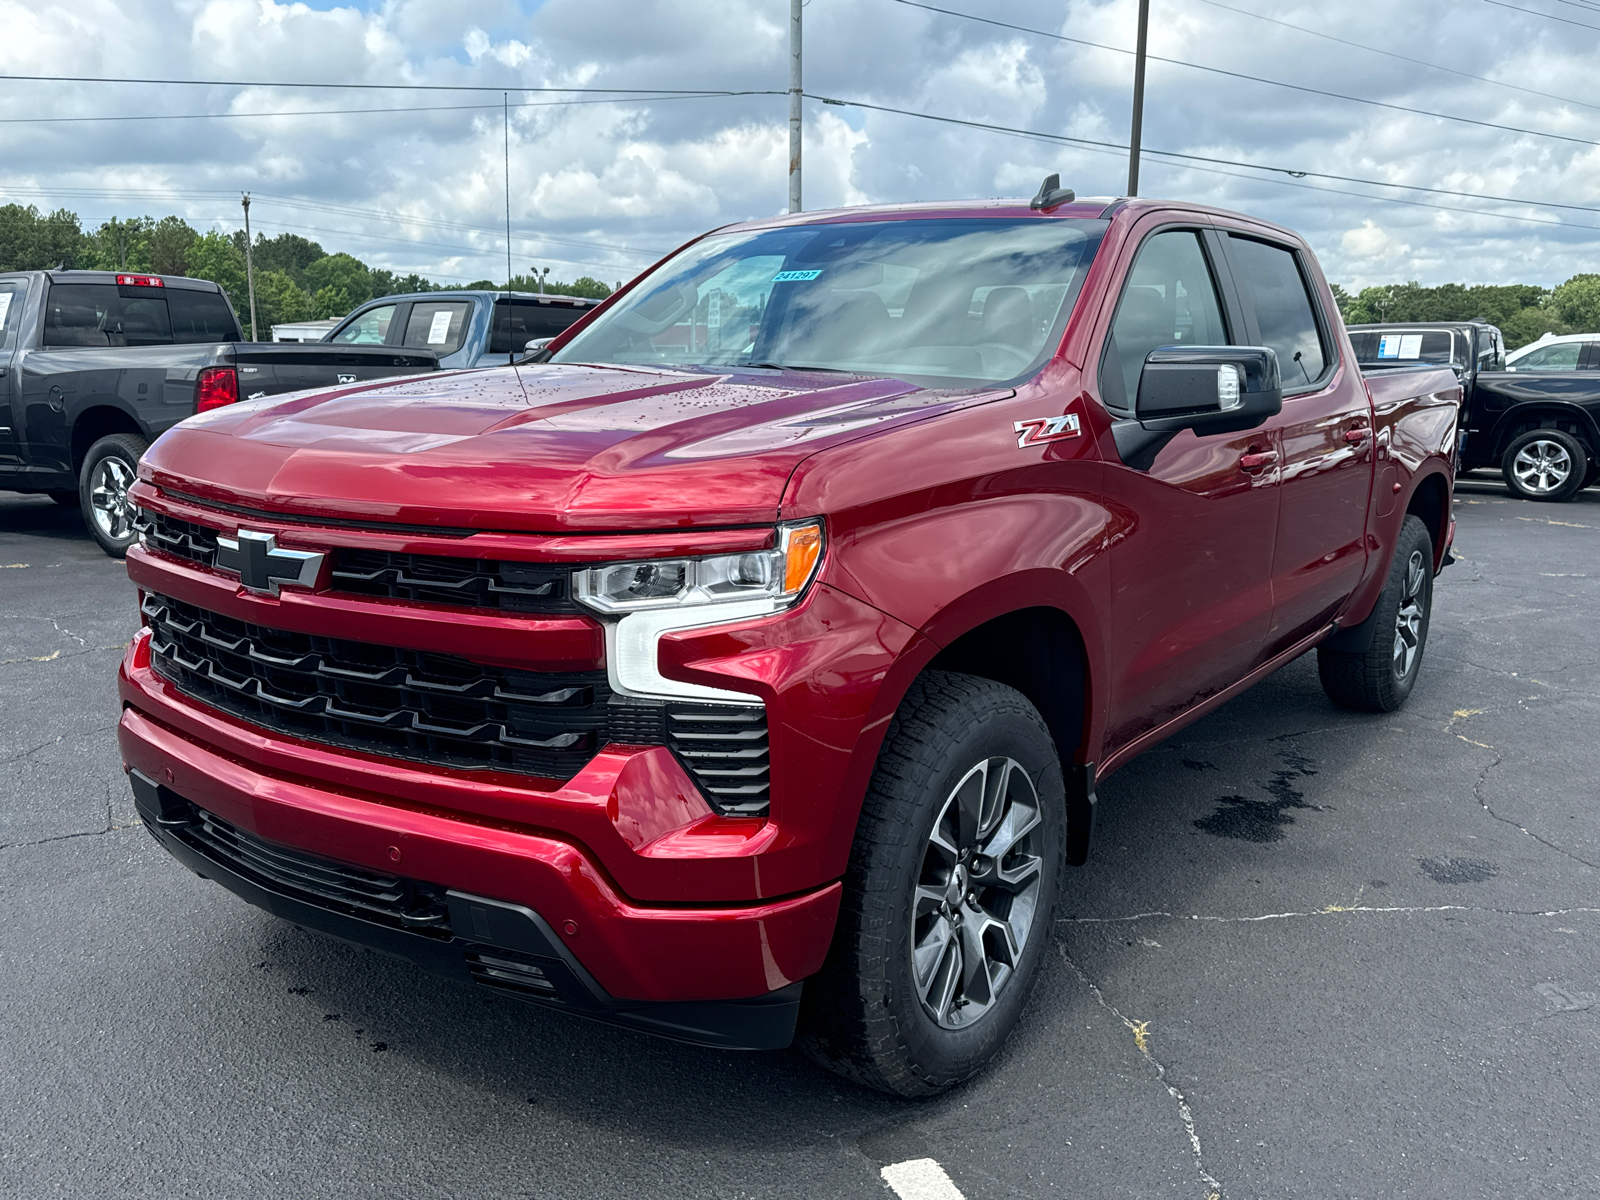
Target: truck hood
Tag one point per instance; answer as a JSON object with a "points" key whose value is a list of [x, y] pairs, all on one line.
{"points": [[542, 448]]}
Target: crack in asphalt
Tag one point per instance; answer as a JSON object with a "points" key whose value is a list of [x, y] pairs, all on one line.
{"points": [[111, 827], [1141, 1039], [57, 656], [1477, 793], [1331, 910], [55, 741]]}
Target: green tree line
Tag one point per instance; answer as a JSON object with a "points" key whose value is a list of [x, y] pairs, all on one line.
{"points": [[1523, 312], [296, 279]]}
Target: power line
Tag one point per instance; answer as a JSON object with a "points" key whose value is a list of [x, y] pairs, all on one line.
{"points": [[342, 112], [1178, 62], [1244, 12], [1200, 158], [1536, 13], [379, 87]]}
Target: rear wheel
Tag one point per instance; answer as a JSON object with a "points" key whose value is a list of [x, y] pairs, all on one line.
{"points": [[948, 896], [1545, 464], [1380, 678], [109, 470]]}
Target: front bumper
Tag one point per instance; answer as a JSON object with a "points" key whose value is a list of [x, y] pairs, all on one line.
{"points": [[472, 939], [634, 954]]}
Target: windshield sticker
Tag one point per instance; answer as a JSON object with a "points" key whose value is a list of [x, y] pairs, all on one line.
{"points": [[1411, 346], [5, 307], [794, 276], [439, 331]]}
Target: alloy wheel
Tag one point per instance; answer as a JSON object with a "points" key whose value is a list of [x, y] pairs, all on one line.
{"points": [[1542, 466], [977, 893], [109, 482], [1408, 620]]}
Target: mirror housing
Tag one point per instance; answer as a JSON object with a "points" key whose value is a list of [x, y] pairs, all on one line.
{"points": [[1209, 389]]}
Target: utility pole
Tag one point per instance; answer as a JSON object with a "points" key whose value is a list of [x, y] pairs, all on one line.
{"points": [[1138, 98], [505, 110], [250, 267], [794, 105]]}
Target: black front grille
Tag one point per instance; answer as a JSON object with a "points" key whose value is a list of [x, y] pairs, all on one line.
{"points": [[725, 748], [407, 703], [181, 539], [513, 971], [439, 709], [446, 579], [355, 891]]}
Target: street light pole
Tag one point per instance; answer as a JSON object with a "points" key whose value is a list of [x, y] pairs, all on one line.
{"points": [[249, 267], [794, 105], [1138, 98]]}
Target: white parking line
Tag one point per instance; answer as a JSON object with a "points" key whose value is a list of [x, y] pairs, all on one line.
{"points": [[920, 1179]]}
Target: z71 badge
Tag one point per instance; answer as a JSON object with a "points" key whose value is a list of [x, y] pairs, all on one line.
{"points": [[1046, 429]]}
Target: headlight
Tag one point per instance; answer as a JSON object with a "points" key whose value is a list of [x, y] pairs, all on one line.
{"points": [[777, 576]]}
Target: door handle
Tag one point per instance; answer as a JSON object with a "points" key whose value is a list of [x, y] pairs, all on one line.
{"points": [[1357, 435], [1255, 460]]}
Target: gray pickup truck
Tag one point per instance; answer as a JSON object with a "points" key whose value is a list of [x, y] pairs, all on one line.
{"points": [[94, 365]]}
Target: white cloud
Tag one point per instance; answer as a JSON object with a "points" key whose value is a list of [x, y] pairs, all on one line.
{"points": [[647, 176]]}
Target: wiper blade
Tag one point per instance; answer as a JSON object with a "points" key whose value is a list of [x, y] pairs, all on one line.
{"points": [[777, 366]]}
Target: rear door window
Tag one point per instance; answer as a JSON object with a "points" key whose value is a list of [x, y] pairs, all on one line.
{"points": [[201, 317], [1272, 283], [11, 296], [96, 314], [1169, 299], [368, 329], [518, 322], [438, 325]]}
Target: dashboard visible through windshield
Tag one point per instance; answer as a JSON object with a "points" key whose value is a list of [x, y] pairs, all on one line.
{"points": [[946, 302]]}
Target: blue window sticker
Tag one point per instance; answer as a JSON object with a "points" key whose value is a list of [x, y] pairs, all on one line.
{"points": [[794, 276], [1389, 345]]}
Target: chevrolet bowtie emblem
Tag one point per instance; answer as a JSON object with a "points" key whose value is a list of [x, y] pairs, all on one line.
{"points": [[262, 566]]}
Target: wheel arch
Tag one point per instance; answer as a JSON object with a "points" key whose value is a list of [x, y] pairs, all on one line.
{"points": [[96, 422], [1545, 414], [1430, 501]]}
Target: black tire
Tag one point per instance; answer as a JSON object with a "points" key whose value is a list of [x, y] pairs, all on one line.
{"points": [[65, 499], [1380, 678], [1545, 464], [864, 1016], [108, 471]]}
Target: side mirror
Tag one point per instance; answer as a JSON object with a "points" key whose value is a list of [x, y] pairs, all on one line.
{"points": [[1209, 389], [536, 345]]}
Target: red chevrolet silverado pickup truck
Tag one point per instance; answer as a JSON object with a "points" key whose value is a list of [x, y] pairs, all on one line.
{"points": [[743, 670]]}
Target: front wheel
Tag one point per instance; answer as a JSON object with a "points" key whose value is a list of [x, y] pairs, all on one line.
{"points": [[949, 892], [1545, 464], [109, 470], [1379, 678]]}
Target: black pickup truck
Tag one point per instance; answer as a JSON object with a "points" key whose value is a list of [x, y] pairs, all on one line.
{"points": [[94, 365], [1539, 428]]}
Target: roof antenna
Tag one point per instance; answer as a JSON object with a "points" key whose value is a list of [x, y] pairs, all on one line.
{"points": [[1051, 194]]}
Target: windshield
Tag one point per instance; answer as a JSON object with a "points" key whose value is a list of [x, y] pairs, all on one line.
{"points": [[948, 302], [1378, 347]]}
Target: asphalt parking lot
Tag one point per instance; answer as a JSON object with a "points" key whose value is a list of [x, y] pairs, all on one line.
{"points": [[1314, 954]]}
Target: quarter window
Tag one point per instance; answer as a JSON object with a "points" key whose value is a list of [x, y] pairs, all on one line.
{"points": [[1169, 300], [1272, 280], [11, 295]]}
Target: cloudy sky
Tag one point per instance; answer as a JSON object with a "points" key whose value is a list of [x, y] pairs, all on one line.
{"points": [[599, 185]]}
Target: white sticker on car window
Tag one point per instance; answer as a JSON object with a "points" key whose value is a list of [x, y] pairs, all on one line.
{"points": [[1411, 345], [5, 307], [439, 331]]}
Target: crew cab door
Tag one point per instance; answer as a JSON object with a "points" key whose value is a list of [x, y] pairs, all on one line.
{"points": [[13, 292], [1191, 572], [1325, 435]]}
